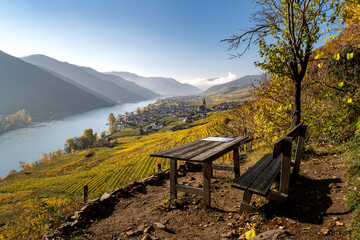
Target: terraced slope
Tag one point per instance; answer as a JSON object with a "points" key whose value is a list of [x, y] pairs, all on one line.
{"points": [[34, 200]]}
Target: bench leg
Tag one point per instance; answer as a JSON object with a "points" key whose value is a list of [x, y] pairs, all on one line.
{"points": [[206, 183], [173, 178], [236, 157], [245, 204]]}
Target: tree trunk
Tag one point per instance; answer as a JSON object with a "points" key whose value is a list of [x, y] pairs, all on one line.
{"points": [[297, 104]]}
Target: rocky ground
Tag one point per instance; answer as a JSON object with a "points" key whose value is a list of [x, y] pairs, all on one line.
{"points": [[315, 209]]}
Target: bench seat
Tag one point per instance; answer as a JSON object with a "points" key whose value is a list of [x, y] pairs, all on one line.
{"points": [[258, 178]]}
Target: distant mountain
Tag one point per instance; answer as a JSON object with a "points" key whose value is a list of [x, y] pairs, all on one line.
{"points": [[243, 82], [128, 85], [159, 85], [43, 94], [116, 89]]}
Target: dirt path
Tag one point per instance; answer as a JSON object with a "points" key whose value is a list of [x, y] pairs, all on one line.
{"points": [[315, 209]]}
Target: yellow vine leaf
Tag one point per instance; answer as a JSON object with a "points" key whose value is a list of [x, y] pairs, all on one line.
{"points": [[341, 84], [349, 100], [350, 55], [337, 56], [319, 55], [320, 65], [249, 234]]}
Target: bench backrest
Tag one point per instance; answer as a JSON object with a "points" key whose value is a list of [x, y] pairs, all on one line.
{"points": [[284, 146]]}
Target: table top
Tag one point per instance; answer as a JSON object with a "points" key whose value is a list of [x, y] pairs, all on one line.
{"points": [[202, 150]]}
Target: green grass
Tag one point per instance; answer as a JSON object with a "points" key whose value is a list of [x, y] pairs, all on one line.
{"points": [[353, 196]]}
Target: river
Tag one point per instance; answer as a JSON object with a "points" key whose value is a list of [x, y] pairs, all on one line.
{"points": [[27, 144]]}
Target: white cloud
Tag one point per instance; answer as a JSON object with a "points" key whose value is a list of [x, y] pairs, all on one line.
{"points": [[205, 83]]}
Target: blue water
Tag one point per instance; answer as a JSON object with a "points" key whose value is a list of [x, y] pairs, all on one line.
{"points": [[27, 144]]}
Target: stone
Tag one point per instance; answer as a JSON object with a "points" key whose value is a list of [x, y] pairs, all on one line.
{"points": [[75, 224], [149, 229], [181, 174], [78, 214], [51, 235], [225, 236], [270, 235], [118, 192], [146, 237], [150, 180], [324, 231], [135, 186], [134, 233], [105, 197], [88, 209], [138, 188], [65, 228], [160, 225]]}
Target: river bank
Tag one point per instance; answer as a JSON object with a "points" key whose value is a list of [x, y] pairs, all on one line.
{"points": [[27, 144]]}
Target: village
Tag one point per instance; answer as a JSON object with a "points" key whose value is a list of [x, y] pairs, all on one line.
{"points": [[166, 111]]}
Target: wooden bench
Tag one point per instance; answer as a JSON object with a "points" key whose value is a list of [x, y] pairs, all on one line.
{"points": [[259, 178]]}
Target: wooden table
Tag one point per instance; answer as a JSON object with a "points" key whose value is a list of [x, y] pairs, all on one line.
{"points": [[203, 151]]}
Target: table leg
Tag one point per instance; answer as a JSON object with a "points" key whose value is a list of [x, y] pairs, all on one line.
{"points": [[236, 157], [206, 183], [173, 179]]}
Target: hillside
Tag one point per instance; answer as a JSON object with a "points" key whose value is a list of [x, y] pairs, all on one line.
{"points": [[243, 82], [117, 90], [51, 190], [44, 95], [159, 85]]}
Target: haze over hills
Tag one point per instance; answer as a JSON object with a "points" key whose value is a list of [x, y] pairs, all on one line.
{"points": [[115, 89], [242, 82], [41, 93], [160, 85]]}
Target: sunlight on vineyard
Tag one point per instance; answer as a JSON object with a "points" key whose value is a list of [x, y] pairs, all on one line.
{"points": [[52, 190]]}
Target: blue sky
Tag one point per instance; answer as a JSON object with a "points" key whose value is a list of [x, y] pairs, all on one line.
{"points": [[170, 38]]}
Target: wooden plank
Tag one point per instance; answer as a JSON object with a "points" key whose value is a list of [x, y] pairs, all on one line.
{"points": [[236, 159], [299, 150], [277, 148], [285, 166], [247, 196], [173, 149], [303, 130], [173, 178], [190, 189], [263, 182], [276, 196], [294, 133], [223, 167], [298, 155], [244, 207], [245, 180], [186, 154], [206, 184], [218, 151], [245, 203]]}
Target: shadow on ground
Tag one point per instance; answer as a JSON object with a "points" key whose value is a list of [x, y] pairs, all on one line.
{"points": [[308, 201]]}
